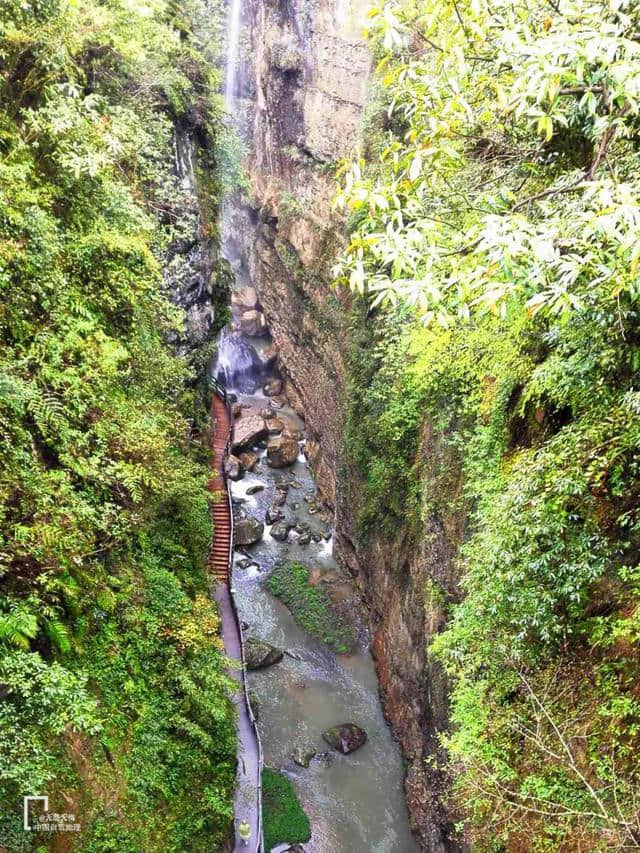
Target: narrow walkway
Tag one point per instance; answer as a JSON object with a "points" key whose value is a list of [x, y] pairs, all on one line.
{"points": [[247, 804]]}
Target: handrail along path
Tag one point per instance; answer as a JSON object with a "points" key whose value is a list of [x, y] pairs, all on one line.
{"points": [[248, 797]]}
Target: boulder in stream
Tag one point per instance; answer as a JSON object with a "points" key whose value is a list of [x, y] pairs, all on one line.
{"points": [[282, 451], [247, 431], [233, 467], [249, 460], [272, 387], [280, 499], [274, 513], [302, 755], [280, 530], [253, 490], [345, 738], [259, 653], [248, 531], [275, 426]]}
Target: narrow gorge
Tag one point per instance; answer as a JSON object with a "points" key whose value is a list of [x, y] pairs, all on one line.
{"points": [[319, 426], [296, 96], [301, 90]]}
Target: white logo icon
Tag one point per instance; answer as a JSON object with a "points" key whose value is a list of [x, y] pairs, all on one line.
{"points": [[33, 799]]}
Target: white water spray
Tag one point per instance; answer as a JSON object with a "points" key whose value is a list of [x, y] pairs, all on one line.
{"points": [[233, 44]]}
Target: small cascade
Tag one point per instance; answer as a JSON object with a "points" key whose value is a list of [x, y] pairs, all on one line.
{"points": [[238, 366]]}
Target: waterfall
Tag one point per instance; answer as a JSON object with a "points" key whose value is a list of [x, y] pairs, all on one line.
{"points": [[238, 363], [238, 366], [233, 42]]}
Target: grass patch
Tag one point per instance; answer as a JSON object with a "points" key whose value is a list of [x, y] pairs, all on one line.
{"points": [[284, 818], [311, 606]]}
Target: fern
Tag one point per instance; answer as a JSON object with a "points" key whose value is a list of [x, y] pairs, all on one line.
{"points": [[59, 635], [46, 410], [18, 627]]}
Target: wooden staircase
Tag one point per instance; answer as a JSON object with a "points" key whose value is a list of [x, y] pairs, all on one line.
{"points": [[219, 556]]}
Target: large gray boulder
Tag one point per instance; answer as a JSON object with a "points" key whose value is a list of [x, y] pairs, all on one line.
{"points": [[247, 431], [280, 530], [248, 531], [302, 754], [282, 451], [259, 654], [346, 737]]}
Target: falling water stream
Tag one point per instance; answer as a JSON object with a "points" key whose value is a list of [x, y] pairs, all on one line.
{"points": [[355, 802], [233, 44]]}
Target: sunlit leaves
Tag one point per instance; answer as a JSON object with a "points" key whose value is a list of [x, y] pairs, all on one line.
{"points": [[479, 99]]}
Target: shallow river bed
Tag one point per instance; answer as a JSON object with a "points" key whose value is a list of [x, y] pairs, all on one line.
{"points": [[355, 802]]}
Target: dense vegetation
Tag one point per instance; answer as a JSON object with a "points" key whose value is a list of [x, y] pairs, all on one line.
{"points": [[114, 701], [496, 236], [311, 606], [284, 818]]}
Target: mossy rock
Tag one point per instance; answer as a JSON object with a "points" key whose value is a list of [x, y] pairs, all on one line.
{"points": [[259, 654], [346, 738]]}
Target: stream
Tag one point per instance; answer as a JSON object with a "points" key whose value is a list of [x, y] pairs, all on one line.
{"points": [[355, 802]]}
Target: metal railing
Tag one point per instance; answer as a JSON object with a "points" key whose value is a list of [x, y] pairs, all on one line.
{"points": [[221, 392]]}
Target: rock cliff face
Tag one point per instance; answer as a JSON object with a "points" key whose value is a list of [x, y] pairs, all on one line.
{"points": [[305, 79], [304, 87], [196, 276], [406, 585]]}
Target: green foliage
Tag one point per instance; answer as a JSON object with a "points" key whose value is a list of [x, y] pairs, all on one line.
{"points": [[509, 183], [111, 669], [40, 702], [310, 605], [542, 650], [159, 667], [382, 426], [284, 817], [508, 173]]}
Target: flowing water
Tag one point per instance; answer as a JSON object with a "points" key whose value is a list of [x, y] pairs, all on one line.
{"points": [[355, 802], [233, 43]]}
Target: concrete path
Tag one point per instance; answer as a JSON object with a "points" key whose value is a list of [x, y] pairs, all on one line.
{"points": [[247, 805]]}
